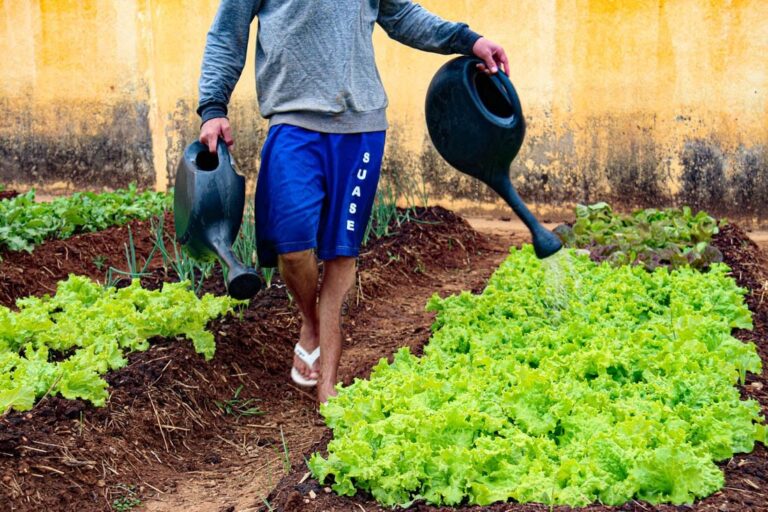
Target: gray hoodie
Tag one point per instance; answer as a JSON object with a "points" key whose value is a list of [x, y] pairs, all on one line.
{"points": [[315, 65]]}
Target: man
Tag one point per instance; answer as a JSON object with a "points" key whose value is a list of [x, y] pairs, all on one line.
{"points": [[318, 85]]}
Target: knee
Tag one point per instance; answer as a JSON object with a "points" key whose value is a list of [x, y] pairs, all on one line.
{"points": [[342, 262], [295, 259], [340, 271]]}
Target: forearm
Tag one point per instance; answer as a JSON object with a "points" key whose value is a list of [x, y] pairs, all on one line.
{"points": [[224, 57], [411, 24]]}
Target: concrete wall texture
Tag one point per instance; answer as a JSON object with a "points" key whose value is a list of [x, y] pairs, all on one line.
{"points": [[639, 102]]}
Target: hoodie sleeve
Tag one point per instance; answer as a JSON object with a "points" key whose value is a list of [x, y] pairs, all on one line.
{"points": [[224, 57], [411, 24]]}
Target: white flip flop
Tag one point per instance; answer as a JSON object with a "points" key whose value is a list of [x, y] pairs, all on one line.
{"points": [[309, 360]]}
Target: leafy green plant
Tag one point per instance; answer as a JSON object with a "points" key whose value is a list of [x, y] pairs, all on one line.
{"points": [[125, 503], [99, 261], [25, 223], [672, 237], [128, 501], [621, 389], [237, 406], [61, 345]]}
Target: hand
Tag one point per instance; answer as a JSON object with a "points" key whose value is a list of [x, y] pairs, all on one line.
{"points": [[215, 129], [493, 56]]}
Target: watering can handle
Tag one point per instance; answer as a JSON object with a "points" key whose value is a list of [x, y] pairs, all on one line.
{"points": [[504, 84], [222, 150]]}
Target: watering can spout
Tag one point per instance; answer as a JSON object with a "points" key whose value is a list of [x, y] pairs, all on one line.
{"points": [[545, 243], [476, 123], [208, 209]]}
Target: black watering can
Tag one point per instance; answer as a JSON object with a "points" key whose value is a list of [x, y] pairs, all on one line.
{"points": [[476, 124], [208, 209]]}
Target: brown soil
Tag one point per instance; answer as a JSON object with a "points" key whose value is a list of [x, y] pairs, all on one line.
{"points": [[8, 194], [163, 439], [36, 273]]}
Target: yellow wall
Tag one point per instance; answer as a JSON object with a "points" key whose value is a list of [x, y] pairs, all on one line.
{"points": [[629, 100]]}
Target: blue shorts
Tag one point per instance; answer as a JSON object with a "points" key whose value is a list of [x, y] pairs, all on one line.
{"points": [[315, 191]]}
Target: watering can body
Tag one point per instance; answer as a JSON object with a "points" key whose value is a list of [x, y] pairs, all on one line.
{"points": [[476, 123], [209, 198]]}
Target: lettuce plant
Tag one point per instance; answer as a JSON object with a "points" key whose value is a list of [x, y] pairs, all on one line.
{"points": [[610, 385], [65, 343], [24, 222], [671, 237]]}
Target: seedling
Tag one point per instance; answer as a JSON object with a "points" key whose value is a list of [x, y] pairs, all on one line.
{"points": [[128, 501], [99, 261], [185, 267], [286, 457], [133, 272], [268, 274], [239, 407]]}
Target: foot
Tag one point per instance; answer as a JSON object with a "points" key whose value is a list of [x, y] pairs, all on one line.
{"points": [[309, 342], [325, 391]]}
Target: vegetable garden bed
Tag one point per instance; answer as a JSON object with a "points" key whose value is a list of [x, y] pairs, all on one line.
{"points": [[178, 433], [745, 474], [172, 416]]}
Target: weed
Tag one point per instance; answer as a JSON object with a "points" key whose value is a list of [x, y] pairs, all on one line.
{"points": [[99, 261], [237, 406], [128, 500], [286, 457], [392, 257]]}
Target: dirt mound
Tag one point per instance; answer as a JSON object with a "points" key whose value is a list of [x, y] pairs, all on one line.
{"points": [[171, 415], [36, 273]]}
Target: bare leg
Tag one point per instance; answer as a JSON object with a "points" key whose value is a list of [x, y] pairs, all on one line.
{"points": [[338, 278], [299, 271]]}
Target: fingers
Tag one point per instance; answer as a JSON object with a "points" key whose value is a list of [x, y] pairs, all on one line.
{"points": [[503, 60], [490, 63], [216, 129], [209, 134], [492, 55], [226, 132]]}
